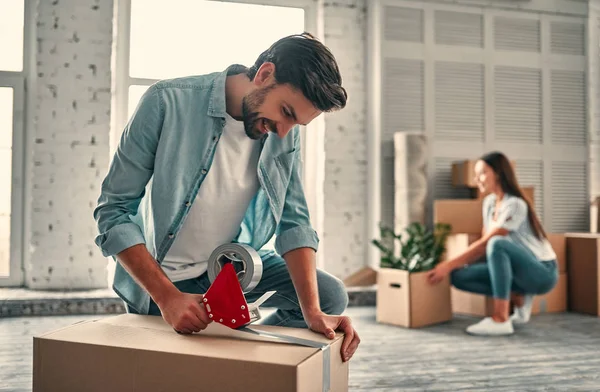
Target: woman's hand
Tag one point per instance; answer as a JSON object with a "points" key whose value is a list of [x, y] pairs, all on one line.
{"points": [[438, 274]]}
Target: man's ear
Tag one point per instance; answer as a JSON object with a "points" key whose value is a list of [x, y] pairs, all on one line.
{"points": [[265, 74]]}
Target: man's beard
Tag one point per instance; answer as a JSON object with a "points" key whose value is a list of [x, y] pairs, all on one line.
{"points": [[250, 104]]}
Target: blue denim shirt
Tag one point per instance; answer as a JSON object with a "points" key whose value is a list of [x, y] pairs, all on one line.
{"points": [[163, 156]]}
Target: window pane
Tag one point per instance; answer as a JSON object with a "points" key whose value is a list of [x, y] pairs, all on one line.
{"points": [[12, 20], [191, 37], [135, 94], [6, 131]]}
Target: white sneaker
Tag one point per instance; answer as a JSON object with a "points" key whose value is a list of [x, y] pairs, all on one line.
{"points": [[522, 315], [489, 327]]}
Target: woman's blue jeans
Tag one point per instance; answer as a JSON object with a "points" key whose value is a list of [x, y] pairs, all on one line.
{"points": [[509, 268]]}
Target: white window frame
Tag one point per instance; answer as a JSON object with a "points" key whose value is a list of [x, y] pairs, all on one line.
{"points": [[19, 177], [313, 141]]}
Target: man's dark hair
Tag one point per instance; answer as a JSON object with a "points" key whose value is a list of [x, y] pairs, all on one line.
{"points": [[306, 64]]}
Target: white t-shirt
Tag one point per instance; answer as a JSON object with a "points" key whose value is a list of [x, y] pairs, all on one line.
{"points": [[223, 198], [512, 216]]}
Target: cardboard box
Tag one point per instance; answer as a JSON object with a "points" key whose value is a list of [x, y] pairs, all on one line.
{"points": [[559, 245], [583, 259], [553, 302], [366, 276], [408, 300], [528, 191], [143, 353], [465, 215], [463, 173]]}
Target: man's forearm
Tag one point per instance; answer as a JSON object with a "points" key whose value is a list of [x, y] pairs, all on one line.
{"points": [[301, 264], [145, 270]]}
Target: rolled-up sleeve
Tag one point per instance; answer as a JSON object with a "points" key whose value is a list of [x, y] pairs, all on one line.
{"points": [[295, 230], [125, 183], [512, 214]]}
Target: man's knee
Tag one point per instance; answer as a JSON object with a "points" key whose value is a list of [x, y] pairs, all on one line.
{"points": [[333, 294]]}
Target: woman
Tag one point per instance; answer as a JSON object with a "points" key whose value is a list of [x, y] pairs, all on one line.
{"points": [[520, 260]]}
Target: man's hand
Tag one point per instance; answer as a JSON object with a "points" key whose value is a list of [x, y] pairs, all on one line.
{"points": [[437, 274], [327, 325], [185, 312]]}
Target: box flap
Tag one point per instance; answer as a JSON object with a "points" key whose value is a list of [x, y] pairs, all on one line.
{"points": [[151, 333]]}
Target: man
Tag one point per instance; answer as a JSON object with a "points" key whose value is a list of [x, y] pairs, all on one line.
{"points": [[211, 159]]}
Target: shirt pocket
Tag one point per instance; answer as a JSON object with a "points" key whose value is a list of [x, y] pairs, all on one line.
{"points": [[285, 165]]}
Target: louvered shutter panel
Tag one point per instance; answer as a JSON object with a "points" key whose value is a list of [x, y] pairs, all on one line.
{"points": [[569, 125], [459, 101], [443, 188], [518, 98], [531, 173], [458, 28], [403, 106], [403, 24], [517, 34], [567, 38], [570, 198]]}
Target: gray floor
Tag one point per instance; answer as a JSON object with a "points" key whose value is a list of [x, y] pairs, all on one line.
{"points": [[553, 353]]}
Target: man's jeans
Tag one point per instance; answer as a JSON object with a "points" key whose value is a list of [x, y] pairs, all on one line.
{"points": [[332, 294]]}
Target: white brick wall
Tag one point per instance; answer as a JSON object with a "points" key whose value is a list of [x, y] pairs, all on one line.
{"points": [[71, 142], [345, 143], [71, 148]]}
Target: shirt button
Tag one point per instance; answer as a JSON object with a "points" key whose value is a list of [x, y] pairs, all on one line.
{"points": [[171, 235], [187, 204], [215, 138], [204, 171]]}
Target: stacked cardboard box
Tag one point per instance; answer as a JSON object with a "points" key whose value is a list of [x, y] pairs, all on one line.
{"points": [[583, 254], [465, 216]]}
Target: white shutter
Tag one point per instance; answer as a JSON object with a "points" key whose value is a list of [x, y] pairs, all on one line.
{"points": [[403, 24], [458, 28], [569, 125], [403, 107], [567, 38], [459, 101], [531, 173], [518, 98], [443, 188], [517, 34], [570, 197]]}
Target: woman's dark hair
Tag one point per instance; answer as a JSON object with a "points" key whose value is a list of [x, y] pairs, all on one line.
{"points": [[508, 182], [306, 64]]}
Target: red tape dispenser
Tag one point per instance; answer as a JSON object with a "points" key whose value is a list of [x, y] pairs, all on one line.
{"points": [[225, 301]]}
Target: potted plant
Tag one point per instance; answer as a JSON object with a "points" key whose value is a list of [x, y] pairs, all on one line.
{"points": [[404, 296]]}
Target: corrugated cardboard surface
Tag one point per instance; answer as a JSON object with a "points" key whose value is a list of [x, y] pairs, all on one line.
{"points": [[408, 300], [583, 259], [553, 302], [142, 353], [464, 215], [471, 304], [464, 302], [559, 245], [463, 174]]}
